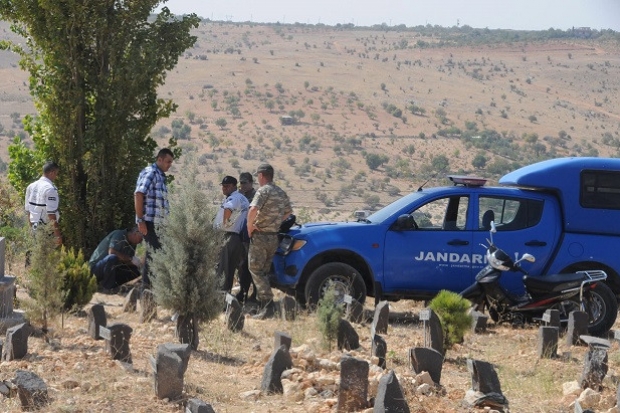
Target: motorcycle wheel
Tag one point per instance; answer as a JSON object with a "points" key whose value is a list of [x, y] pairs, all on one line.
{"points": [[602, 309]]}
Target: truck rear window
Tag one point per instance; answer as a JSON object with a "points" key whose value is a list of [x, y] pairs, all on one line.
{"points": [[600, 189]]}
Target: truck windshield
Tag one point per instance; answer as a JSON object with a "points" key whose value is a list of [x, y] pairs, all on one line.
{"points": [[395, 207]]}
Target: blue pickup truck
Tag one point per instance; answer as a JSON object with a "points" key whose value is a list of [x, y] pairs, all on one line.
{"points": [[565, 212]]}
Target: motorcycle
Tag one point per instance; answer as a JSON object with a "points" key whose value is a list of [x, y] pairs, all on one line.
{"points": [[581, 290]]}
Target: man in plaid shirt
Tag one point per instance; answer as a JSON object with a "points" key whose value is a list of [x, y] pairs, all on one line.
{"points": [[151, 204]]}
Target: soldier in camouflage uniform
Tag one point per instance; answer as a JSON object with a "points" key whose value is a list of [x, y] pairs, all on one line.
{"points": [[268, 209]]}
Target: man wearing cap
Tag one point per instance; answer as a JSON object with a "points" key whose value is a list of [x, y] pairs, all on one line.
{"points": [[246, 187], [114, 262], [270, 206], [230, 218]]}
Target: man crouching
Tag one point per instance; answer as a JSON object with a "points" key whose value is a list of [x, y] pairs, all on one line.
{"points": [[114, 262]]}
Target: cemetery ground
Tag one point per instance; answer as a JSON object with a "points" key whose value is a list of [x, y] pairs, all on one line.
{"points": [[227, 369]]}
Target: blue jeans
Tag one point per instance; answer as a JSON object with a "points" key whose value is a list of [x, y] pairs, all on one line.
{"points": [[111, 272]]}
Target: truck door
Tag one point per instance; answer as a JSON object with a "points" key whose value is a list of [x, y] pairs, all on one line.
{"points": [[523, 225], [434, 255]]}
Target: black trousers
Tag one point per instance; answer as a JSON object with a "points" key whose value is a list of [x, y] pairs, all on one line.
{"points": [[152, 240], [243, 272], [230, 256]]}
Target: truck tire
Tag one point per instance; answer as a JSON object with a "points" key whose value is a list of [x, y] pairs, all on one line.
{"points": [[602, 308], [345, 278]]}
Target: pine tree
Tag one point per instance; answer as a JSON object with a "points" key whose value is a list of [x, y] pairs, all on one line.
{"points": [[183, 270]]}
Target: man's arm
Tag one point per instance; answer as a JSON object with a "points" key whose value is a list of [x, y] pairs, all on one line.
{"points": [[123, 257], [138, 202], [251, 218]]}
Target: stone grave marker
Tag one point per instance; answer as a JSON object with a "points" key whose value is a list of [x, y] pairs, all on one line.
{"points": [[479, 322], [353, 394], [235, 319], [551, 318], [381, 319], [117, 338], [130, 303], [348, 339], [433, 331], [288, 308], [16, 344], [279, 361], [390, 396], [595, 369], [483, 377], [96, 318], [282, 339], [379, 349], [548, 341], [31, 389], [355, 310], [169, 367], [198, 406], [8, 317], [577, 326], [426, 359]]}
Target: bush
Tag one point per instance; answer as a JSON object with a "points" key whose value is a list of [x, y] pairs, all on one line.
{"points": [[329, 313], [452, 310], [78, 283]]}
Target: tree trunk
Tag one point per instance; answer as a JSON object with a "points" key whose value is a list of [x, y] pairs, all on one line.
{"points": [[187, 330]]}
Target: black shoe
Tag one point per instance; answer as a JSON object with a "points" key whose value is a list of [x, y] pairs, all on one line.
{"points": [[240, 296], [268, 310]]}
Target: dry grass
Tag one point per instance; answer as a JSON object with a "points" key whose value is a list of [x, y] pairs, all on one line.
{"points": [[229, 364]]}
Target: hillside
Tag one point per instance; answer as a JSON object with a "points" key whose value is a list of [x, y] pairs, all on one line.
{"points": [[421, 104]]}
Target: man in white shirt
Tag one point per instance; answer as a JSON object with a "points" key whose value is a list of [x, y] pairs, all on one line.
{"points": [[230, 219], [42, 201]]}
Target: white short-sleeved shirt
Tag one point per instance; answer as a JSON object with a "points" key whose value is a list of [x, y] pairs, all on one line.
{"points": [[41, 200], [239, 205]]}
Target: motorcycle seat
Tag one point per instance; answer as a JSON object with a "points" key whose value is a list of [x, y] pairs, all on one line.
{"points": [[553, 282]]}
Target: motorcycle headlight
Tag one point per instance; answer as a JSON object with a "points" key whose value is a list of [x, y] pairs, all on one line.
{"points": [[289, 244], [498, 260]]}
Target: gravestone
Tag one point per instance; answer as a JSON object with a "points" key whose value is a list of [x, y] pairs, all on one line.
{"points": [[279, 361], [169, 367], [379, 349], [548, 341], [595, 369], [483, 377], [577, 326], [8, 317], [551, 318], [198, 406], [31, 389], [348, 339], [282, 339], [16, 344], [390, 397], [426, 359], [433, 331], [148, 306], [479, 322], [131, 301], [288, 308], [235, 319], [96, 318], [117, 338], [355, 310], [353, 394], [381, 319]]}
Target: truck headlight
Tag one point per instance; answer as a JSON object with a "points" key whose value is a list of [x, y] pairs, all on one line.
{"points": [[289, 244]]}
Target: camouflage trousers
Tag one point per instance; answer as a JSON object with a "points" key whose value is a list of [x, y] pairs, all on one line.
{"points": [[262, 249]]}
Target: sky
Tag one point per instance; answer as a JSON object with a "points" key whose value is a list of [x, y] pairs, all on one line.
{"points": [[492, 14]]}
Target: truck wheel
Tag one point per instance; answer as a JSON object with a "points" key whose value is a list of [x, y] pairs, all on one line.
{"points": [[345, 279], [602, 308]]}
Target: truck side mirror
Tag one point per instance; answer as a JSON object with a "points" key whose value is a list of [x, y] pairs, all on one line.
{"points": [[404, 222]]}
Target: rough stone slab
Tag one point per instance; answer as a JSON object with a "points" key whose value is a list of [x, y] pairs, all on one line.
{"points": [[96, 318], [355, 310], [31, 389], [7, 293], [379, 349], [184, 351], [548, 337], [433, 332], [390, 396], [595, 367], [168, 375], [235, 319], [288, 308], [551, 318], [426, 359], [16, 344], [279, 361], [483, 377], [353, 394], [117, 337], [381, 319], [16, 318], [282, 339], [479, 322], [348, 339], [577, 326], [595, 342], [130, 304]]}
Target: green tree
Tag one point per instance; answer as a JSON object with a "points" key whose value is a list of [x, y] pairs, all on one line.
{"points": [[375, 160], [329, 313], [479, 161], [221, 123], [95, 67], [452, 310]]}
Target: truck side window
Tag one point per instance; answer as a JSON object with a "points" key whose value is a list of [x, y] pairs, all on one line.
{"points": [[509, 214], [600, 189], [448, 214]]}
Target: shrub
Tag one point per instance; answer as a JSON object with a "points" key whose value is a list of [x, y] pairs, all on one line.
{"points": [[329, 313], [78, 283], [452, 310]]}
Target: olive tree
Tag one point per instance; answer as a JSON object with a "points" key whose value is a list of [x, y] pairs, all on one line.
{"points": [[95, 66]]}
